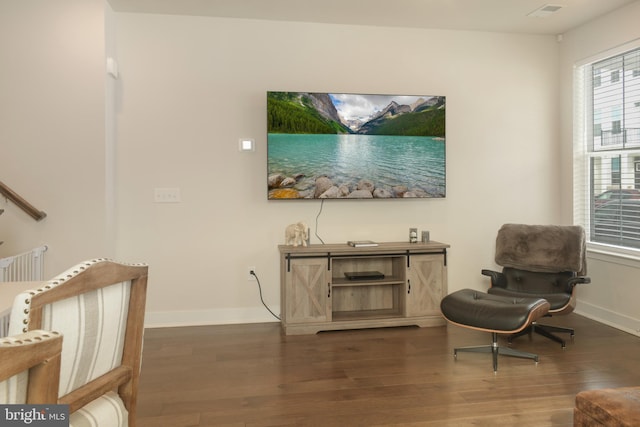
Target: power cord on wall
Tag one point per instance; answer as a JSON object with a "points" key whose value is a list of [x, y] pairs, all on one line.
{"points": [[318, 216], [253, 273]]}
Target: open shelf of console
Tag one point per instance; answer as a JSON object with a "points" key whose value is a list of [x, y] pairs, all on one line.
{"points": [[316, 295]]}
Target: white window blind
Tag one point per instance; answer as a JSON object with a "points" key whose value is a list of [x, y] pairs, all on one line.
{"points": [[607, 150]]}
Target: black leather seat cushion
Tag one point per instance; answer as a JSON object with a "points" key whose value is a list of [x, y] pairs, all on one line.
{"points": [[492, 312], [516, 283]]}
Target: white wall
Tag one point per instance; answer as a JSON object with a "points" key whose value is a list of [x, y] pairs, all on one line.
{"points": [[191, 86], [613, 295], [52, 124]]}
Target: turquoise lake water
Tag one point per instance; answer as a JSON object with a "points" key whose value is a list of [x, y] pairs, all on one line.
{"points": [[387, 161]]}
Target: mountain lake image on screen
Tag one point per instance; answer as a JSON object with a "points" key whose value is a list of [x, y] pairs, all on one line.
{"points": [[355, 146]]}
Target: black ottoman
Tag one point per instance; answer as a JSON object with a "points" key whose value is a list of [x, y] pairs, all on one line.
{"points": [[492, 313]]}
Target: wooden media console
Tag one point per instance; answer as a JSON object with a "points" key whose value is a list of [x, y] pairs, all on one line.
{"points": [[317, 296]]}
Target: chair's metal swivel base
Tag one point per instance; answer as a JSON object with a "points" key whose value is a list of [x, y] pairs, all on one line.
{"points": [[495, 349], [545, 331]]}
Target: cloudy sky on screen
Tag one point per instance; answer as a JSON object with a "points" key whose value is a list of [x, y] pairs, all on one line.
{"points": [[361, 107]]}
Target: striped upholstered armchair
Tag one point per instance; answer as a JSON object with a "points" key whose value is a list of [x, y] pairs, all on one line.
{"points": [[98, 306]]}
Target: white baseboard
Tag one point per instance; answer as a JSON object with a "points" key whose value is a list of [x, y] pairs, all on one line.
{"points": [[608, 317], [230, 316], [222, 316]]}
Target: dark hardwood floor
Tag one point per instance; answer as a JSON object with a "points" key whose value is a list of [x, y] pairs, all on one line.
{"points": [[252, 375]]}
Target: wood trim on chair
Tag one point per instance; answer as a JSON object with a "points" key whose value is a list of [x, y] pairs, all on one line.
{"points": [[568, 307], [39, 352], [96, 388], [132, 354]]}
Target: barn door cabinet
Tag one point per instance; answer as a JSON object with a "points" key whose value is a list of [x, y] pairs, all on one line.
{"points": [[317, 296]]}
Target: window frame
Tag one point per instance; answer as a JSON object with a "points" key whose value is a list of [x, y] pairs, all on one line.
{"points": [[587, 81]]}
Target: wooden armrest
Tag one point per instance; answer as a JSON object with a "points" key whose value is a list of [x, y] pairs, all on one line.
{"points": [[21, 352], [96, 388], [39, 352]]}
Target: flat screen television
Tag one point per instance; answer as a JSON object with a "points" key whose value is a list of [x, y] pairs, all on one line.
{"points": [[355, 146]]}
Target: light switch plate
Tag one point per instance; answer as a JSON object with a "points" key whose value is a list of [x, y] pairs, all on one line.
{"points": [[167, 195]]}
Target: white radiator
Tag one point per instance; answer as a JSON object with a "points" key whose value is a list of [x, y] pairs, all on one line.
{"points": [[25, 267]]}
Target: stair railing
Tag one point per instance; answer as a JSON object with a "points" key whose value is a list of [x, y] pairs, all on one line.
{"points": [[31, 210]]}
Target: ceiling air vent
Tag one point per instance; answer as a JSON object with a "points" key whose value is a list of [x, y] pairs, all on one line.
{"points": [[545, 10]]}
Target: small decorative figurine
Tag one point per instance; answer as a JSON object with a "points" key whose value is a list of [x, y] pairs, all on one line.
{"points": [[296, 234], [413, 235]]}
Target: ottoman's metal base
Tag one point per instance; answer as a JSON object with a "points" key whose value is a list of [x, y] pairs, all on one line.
{"points": [[495, 349]]}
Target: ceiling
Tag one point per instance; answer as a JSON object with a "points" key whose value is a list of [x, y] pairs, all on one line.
{"points": [[475, 15]]}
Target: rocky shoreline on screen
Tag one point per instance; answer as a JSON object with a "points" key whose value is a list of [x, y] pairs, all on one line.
{"points": [[282, 187]]}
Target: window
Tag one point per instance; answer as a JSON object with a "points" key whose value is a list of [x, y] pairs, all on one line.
{"points": [[597, 80], [607, 150], [615, 76], [615, 172]]}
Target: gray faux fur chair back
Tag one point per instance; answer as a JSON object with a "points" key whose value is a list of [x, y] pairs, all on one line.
{"points": [[542, 248]]}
